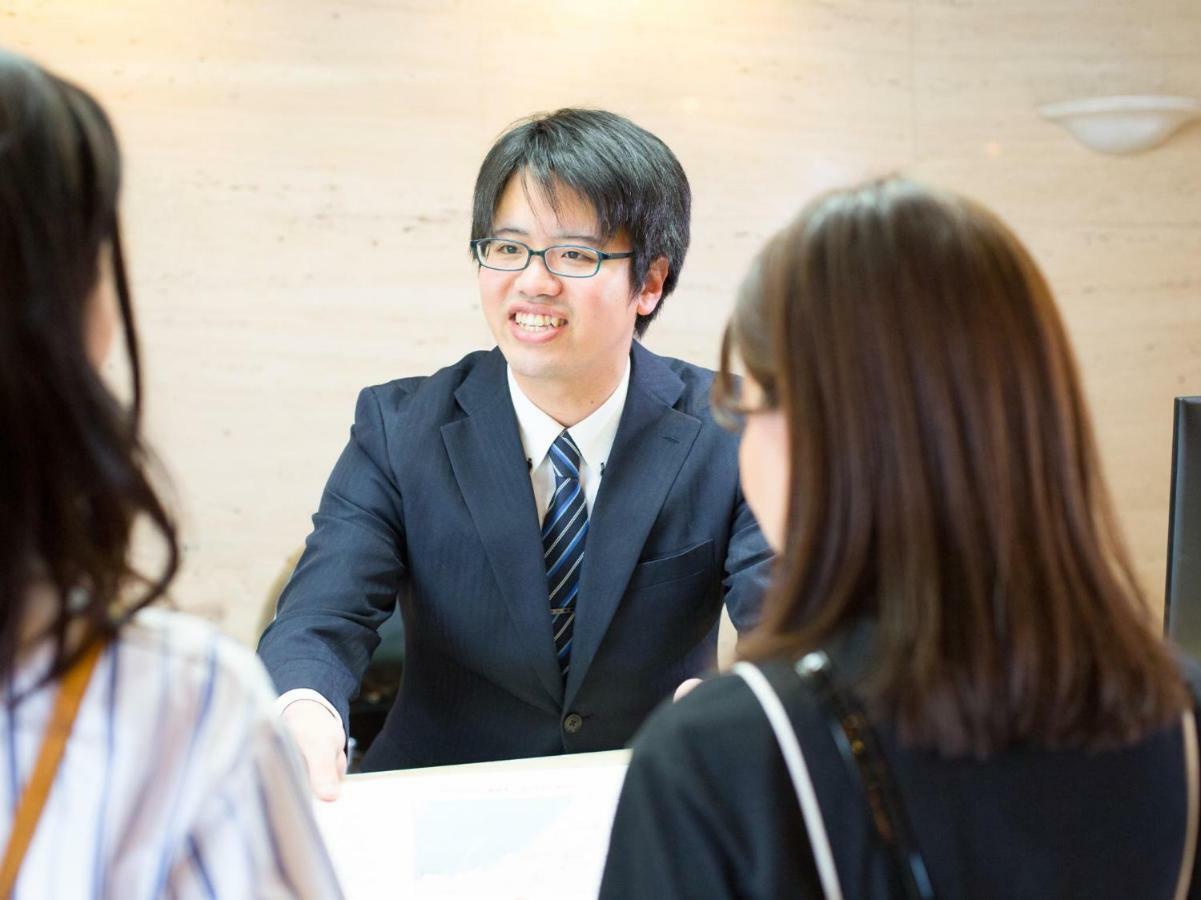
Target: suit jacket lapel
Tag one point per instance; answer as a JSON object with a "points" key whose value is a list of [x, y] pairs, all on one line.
{"points": [[652, 442], [485, 453]]}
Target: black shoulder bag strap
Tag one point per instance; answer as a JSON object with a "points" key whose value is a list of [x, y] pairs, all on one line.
{"points": [[857, 743]]}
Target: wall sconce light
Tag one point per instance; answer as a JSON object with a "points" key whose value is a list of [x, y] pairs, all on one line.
{"points": [[1124, 124]]}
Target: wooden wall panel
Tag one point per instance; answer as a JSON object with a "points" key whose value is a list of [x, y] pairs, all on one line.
{"points": [[300, 172]]}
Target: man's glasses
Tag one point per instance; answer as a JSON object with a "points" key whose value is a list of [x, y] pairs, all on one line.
{"points": [[566, 260]]}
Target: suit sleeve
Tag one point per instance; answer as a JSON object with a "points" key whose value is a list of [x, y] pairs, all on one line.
{"points": [[747, 568], [345, 585]]}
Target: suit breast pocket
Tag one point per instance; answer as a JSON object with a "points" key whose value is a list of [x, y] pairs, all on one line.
{"points": [[690, 561]]}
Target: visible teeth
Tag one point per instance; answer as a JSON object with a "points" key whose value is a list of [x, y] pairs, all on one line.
{"points": [[529, 320]]}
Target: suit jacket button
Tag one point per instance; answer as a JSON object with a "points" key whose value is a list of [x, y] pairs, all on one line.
{"points": [[573, 723]]}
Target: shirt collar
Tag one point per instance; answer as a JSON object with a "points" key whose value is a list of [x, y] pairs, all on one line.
{"points": [[593, 435]]}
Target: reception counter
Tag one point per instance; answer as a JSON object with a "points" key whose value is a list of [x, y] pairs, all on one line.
{"points": [[514, 830]]}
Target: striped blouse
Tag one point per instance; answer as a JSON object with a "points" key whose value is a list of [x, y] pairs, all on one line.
{"points": [[157, 794]]}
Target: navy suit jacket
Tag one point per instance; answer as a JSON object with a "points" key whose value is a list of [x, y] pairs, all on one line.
{"points": [[430, 505]]}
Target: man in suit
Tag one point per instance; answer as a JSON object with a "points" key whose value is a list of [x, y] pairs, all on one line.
{"points": [[559, 518]]}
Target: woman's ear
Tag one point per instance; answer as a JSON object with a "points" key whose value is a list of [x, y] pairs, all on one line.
{"points": [[100, 311]]}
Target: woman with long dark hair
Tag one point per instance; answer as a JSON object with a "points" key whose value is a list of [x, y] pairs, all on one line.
{"points": [[118, 776], [956, 689]]}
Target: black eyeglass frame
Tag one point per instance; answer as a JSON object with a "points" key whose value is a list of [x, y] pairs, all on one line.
{"points": [[602, 256]]}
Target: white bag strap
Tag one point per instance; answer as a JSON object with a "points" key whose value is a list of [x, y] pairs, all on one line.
{"points": [[795, 760], [1190, 834]]}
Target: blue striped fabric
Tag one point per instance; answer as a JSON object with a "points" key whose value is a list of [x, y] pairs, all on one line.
{"points": [[177, 780], [564, 533], [110, 758]]}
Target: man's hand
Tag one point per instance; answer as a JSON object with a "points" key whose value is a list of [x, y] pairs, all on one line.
{"points": [[685, 686], [321, 742]]}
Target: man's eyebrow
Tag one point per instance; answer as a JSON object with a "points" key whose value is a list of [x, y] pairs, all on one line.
{"points": [[582, 238], [590, 239]]}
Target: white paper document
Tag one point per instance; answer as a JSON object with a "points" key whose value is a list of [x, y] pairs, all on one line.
{"points": [[516, 830]]}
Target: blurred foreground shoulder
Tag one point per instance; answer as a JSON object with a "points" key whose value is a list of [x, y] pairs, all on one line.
{"points": [[198, 658], [241, 822], [685, 821]]}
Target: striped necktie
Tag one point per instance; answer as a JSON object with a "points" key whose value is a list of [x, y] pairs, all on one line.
{"points": [[564, 531]]}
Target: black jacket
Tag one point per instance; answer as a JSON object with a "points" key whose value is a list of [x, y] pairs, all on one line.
{"points": [[708, 811]]}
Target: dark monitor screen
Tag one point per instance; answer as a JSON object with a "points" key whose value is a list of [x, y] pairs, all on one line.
{"points": [[1182, 606]]}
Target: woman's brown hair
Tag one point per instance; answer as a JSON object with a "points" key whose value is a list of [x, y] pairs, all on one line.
{"points": [[944, 480], [72, 464]]}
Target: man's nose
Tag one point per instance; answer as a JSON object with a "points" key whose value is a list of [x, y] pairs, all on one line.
{"points": [[536, 279]]}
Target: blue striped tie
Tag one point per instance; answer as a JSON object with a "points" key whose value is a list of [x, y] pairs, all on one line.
{"points": [[564, 531]]}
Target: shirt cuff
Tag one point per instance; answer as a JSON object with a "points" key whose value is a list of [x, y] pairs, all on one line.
{"points": [[287, 698]]}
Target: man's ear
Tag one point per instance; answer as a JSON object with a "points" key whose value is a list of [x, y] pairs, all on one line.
{"points": [[652, 286]]}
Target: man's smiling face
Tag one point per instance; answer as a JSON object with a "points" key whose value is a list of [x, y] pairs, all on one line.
{"points": [[572, 331]]}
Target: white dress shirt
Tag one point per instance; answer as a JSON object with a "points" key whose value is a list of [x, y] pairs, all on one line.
{"points": [[593, 436]]}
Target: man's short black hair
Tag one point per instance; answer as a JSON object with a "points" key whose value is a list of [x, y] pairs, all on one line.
{"points": [[631, 178]]}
